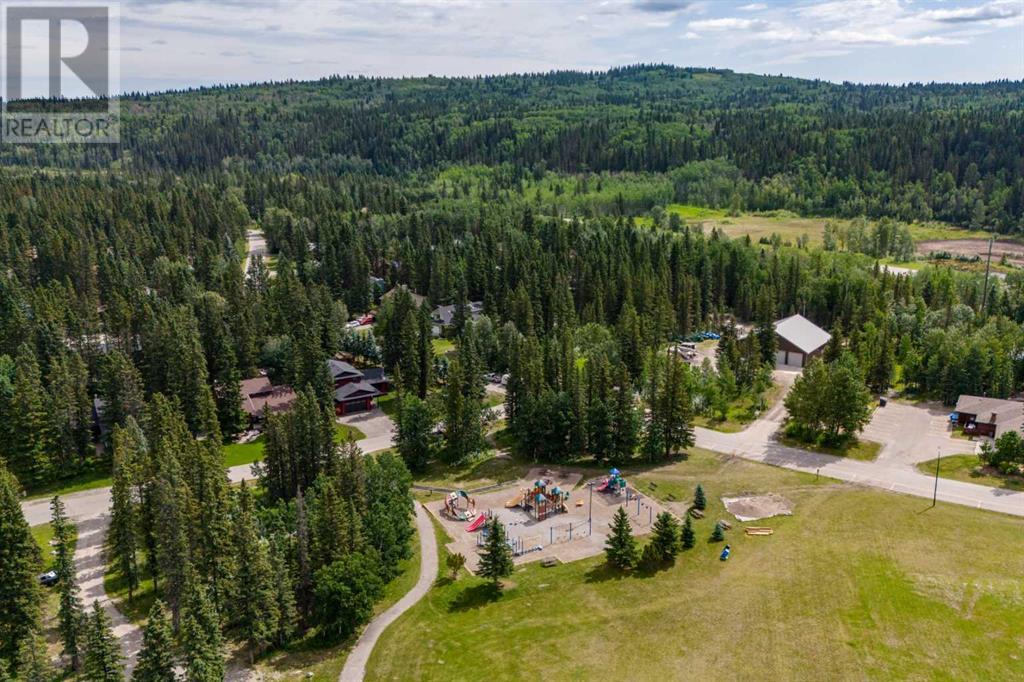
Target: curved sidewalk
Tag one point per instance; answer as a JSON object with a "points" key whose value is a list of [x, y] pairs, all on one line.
{"points": [[355, 665]]}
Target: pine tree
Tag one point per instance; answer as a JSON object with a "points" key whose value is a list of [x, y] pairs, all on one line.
{"points": [[496, 556], [689, 538], [33, 661], [20, 562], [69, 611], [156, 659], [255, 599], [303, 560], [103, 661], [718, 534], [620, 547], [120, 386], [284, 592], [700, 501], [201, 637], [129, 456], [665, 539], [30, 451]]}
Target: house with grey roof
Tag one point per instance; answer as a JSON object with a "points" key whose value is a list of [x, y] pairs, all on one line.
{"points": [[799, 341], [444, 315], [991, 417]]}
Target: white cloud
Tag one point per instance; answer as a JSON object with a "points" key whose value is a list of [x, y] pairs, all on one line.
{"points": [[728, 24], [992, 11], [753, 7]]}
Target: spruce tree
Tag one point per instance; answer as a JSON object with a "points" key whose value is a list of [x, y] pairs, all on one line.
{"points": [[20, 563], [129, 456], [255, 599], [156, 659], [33, 661], [200, 636], [30, 451], [700, 501], [620, 547], [284, 592], [665, 538], [718, 534], [69, 611], [689, 538], [496, 556], [103, 661]]}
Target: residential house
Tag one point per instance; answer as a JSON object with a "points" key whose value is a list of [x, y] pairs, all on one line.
{"points": [[444, 315], [260, 396], [991, 417], [356, 389]]}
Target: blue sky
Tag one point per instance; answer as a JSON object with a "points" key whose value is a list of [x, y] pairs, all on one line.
{"points": [[195, 42]]}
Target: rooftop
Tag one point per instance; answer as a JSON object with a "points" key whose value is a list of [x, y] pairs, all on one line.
{"points": [[802, 333]]}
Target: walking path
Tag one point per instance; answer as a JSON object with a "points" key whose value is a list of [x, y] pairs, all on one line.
{"points": [[355, 665]]}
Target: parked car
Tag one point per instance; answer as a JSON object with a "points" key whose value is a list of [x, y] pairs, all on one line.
{"points": [[48, 579], [504, 379], [369, 318], [352, 324]]}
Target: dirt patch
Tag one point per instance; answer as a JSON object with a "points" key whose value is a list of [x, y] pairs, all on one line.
{"points": [[753, 507], [1013, 251]]}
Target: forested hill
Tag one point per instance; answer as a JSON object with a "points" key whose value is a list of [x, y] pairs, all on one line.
{"points": [[947, 151]]}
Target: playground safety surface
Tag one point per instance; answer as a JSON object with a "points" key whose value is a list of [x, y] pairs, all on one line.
{"points": [[577, 533]]}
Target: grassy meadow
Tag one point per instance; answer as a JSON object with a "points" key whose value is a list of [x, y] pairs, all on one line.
{"points": [[857, 584]]}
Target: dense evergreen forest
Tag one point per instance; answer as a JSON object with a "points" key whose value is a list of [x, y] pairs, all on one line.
{"points": [[124, 281], [945, 151]]}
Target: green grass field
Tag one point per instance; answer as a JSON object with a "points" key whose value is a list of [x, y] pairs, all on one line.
{"points": [[864, 450], [857, 584], [965, 468], [247, 453], [97, 477]]}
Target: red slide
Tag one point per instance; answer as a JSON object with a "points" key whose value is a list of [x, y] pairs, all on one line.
{"points": [[479, 521], [604, 486]]}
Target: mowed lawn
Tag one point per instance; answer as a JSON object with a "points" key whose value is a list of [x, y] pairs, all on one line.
{"points": [[236, 454], [857, 584]]}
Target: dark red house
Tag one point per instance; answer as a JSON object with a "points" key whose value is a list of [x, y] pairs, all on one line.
{"points": [[354, 397]]}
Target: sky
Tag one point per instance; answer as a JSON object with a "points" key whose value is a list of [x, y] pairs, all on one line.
{"points": [[176, 44]]}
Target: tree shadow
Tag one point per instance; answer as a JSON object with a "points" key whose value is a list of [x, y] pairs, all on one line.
{"points": [[475, 597], [603, 572]]}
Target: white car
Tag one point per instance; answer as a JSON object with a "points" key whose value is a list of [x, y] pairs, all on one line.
{"points": [[351, 324]]}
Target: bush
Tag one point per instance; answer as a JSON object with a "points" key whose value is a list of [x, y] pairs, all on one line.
{"points": [[345, 593]]}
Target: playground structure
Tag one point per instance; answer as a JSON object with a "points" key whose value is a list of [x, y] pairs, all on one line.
{"points": [[453, 506], [541, 500], [615, 484], [566, 533]]}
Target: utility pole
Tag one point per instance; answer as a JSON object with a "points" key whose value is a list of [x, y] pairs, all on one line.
{"points": [[590, 506], [988, 267], [935, 493]]}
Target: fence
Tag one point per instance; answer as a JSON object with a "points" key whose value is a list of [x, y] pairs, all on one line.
{"points": [[524, 544]]}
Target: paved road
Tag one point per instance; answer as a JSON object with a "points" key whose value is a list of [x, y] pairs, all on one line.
{"points": [[909, 435], [257, 244], [355, 664]]}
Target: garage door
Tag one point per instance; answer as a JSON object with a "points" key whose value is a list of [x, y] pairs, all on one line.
{"points": [[789, 359]]}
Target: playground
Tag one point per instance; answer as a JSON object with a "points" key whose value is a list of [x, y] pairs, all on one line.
{"points": [[550, 514]]}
